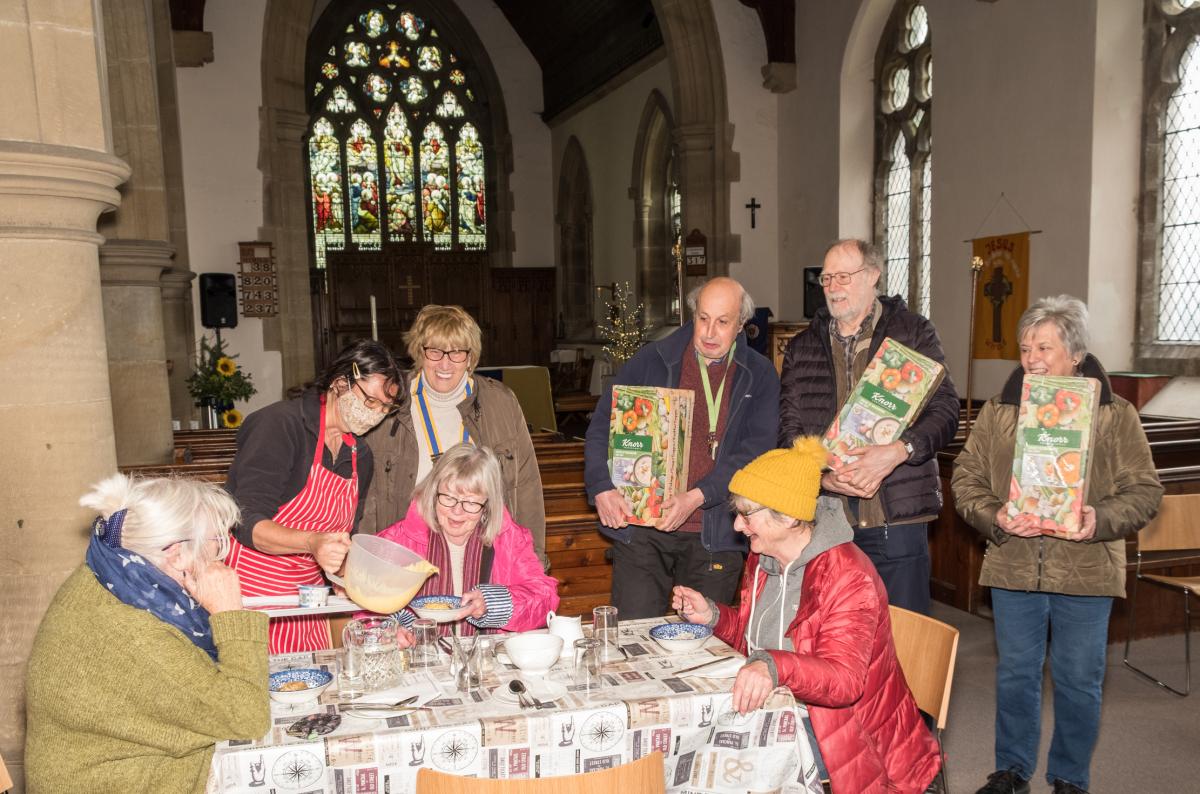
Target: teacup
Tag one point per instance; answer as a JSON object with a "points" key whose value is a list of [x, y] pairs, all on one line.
{"points": [[570, 629], [533, 653]]}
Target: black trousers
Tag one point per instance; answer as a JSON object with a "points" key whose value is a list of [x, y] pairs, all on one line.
{"points": [[646, 568], [901, 556]]}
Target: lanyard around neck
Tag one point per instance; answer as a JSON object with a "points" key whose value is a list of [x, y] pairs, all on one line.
{"points": [[431, 434], [714, 403]]}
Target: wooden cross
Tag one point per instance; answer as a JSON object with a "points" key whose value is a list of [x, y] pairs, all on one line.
{"points": [[752, 206], [410, 287], [997, 291]]}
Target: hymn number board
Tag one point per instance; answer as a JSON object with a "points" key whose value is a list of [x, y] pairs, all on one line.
{"points": [[258, 283]]}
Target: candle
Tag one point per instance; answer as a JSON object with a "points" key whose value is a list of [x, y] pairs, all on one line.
{"points": [[374, 323]]}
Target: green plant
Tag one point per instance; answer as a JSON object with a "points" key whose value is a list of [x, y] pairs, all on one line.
{"points": [[623, 332], [217, 380]]}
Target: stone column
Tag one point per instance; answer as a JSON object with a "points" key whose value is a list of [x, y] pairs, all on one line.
{"points": [[137, 252], [179, 336], [56, 177]]}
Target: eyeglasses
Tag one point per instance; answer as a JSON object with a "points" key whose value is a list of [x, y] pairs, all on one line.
{"points": [[457, 356], [841, 278], [448, 501], [747, 513], [374, 403]]}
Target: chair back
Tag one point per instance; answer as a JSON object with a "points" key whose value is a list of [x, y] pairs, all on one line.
{"points": [[644, 776], [927, 649], [1176, 526]]}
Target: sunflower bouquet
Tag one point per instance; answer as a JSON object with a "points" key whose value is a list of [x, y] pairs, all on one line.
{"points": [[217, 381]]}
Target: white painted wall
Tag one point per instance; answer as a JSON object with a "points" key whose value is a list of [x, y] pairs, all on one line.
{"points": [[754, 115], [218, 121], [607, 131]]}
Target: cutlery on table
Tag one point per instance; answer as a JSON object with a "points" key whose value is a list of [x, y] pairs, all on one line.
{"points": [[701, 666], [517, 687]]}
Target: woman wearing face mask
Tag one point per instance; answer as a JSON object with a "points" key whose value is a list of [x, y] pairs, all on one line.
{"points": [[448, 405], [301, 477]]}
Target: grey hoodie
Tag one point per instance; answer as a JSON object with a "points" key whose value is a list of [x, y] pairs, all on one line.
{"points": [[773, 610]]}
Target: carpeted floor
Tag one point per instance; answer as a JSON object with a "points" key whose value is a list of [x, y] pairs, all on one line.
{"points": [[1149, 738]]}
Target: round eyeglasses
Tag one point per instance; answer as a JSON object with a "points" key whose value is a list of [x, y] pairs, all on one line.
{"points": [[448, 501], [435, 354]]}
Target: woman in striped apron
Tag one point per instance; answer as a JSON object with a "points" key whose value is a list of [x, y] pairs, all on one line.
{"points": [[300, 476]]}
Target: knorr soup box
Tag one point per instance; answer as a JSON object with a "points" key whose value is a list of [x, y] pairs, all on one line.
{"points": [[649, 435], [1052, 456], [889, 397]]}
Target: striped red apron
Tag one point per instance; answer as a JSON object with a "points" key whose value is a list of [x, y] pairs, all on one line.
{"points": [[326, 503]]}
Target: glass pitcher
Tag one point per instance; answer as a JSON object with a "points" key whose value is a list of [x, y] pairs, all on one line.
{"points": [[373, 652]]}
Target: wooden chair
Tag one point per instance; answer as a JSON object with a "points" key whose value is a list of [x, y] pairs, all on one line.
{"points": [[1175, 528], [927, 650], [644, 776]]}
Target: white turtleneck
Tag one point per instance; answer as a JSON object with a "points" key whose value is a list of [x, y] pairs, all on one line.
{"points": [[447, 421]]}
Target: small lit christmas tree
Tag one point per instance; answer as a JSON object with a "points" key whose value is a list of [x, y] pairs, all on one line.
{"points": [[624, 333]]}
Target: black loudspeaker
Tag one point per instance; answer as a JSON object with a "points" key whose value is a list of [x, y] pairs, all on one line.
{"points": [[814, 296], [218, 300]]}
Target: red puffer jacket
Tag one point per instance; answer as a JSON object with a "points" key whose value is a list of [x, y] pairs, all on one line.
{"points": [[844, 667]]}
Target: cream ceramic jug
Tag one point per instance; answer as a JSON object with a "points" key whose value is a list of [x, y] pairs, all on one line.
{"points": [[570, 629]]}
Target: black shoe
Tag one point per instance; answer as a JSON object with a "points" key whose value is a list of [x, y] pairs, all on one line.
{"points": [[1005, 782], [1063, 787]]}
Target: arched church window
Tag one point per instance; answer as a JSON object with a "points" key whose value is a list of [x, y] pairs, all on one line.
{"points": [[397, 147], [1169, 320], [674, 204], [658, 213], [903, 184]]}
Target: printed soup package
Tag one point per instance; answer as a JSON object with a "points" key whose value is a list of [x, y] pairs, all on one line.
{"points": [[649, 435], [890, 395], [1053, 451]]}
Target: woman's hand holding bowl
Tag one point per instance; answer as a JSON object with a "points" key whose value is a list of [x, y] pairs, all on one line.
{"points": [[329, 549], [216, 587], [691, 605], [475, 601]]}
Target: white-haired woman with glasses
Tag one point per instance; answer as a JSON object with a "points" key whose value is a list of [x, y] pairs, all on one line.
{"points": [[301, 476], [450, 405], [459, 523], [145, 658]]}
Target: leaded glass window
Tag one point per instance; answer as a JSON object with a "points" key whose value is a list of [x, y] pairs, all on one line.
{"points": [[903, 160], [397, 147], [1179, 274]]}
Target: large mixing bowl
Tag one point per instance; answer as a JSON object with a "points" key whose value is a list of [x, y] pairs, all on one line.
{"points": [[381, 575]]}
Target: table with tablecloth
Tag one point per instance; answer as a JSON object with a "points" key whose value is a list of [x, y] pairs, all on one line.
{"points": [[708, 747]]}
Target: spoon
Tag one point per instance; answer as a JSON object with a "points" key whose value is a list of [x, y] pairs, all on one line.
{"points": [[517, 687]]}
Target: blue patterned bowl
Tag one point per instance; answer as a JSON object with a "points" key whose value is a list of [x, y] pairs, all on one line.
{"points": [[315, 682], [440, 608], [680, 637]]}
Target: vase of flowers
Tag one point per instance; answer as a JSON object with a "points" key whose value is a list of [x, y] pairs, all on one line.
{"points": [[217, 382]]}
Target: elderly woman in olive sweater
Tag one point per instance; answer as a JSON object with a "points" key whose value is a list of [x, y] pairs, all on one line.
{"points": [[145, 658]]}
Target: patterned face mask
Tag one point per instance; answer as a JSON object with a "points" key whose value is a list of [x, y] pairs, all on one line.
{"points": [[355, 413]]}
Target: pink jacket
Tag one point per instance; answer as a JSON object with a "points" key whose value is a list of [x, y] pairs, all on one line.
{"points": [[514, 565], [845, 668]]}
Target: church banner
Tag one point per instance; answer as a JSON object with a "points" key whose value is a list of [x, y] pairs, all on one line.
{"points": [[1001, 296]]}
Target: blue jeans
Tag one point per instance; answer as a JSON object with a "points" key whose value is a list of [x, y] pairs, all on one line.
{"points": [[1078, 633]]}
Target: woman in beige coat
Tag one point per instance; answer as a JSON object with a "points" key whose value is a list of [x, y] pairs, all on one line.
{"points": [[447, 405], [1043, 584]]}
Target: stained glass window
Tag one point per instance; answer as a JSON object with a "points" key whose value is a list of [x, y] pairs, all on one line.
{"points": [[397, 150], [904, 164]]}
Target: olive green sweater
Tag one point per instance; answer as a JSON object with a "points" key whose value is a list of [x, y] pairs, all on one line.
{"points": [[119, 701]]}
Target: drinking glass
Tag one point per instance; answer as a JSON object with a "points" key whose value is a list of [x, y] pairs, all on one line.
{"points": [[604, 629], [373, 651], [587, 667], [424, 652]]}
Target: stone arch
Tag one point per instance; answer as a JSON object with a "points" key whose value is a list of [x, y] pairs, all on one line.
{"points": [[652, 155], [283, 122], [574, 219], [703, 135]]}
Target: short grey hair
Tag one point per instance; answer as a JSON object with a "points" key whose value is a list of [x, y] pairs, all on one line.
{"points": [[743, 505], [744, 314], [471, 468], [871, 254], [163, 511], [1069, 315]]}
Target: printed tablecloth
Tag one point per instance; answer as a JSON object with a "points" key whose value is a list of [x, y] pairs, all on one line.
{"points": [[708, 747]]}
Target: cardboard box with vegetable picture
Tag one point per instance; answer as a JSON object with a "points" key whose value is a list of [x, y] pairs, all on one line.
{"points": [[649, 435]]}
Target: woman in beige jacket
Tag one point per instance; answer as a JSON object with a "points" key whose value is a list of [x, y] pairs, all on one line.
{"points": [[448, 405], [1049, 585]]}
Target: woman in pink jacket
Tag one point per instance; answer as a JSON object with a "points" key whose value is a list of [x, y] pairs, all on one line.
{"points": [[813, 617], [458, 521]]}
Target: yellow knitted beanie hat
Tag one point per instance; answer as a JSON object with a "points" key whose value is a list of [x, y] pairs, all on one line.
{"points": [[785, 480]]}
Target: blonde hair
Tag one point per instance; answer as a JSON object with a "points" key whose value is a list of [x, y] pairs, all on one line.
{"points": [[445, 327], [471, 468], [163, 511]]}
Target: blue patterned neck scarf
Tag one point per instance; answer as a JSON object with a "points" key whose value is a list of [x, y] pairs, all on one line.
{"points": [[135, 581]]}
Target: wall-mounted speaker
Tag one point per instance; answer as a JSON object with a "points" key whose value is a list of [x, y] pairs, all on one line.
{"points": [[814, 296], [218, 300]]}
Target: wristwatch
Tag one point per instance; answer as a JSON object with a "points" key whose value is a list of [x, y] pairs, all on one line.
{"points": [[908, 448]]}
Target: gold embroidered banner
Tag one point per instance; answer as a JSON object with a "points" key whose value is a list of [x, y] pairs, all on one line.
{"points": [[1002, 294]]}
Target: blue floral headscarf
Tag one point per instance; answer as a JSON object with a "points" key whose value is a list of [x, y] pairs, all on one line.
{"points": [[135, 581]]}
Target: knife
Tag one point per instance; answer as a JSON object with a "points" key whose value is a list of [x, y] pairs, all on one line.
{"points": [[701, 666]]}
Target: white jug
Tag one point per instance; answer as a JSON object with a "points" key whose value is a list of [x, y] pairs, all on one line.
{"points": [[570, 629]]}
